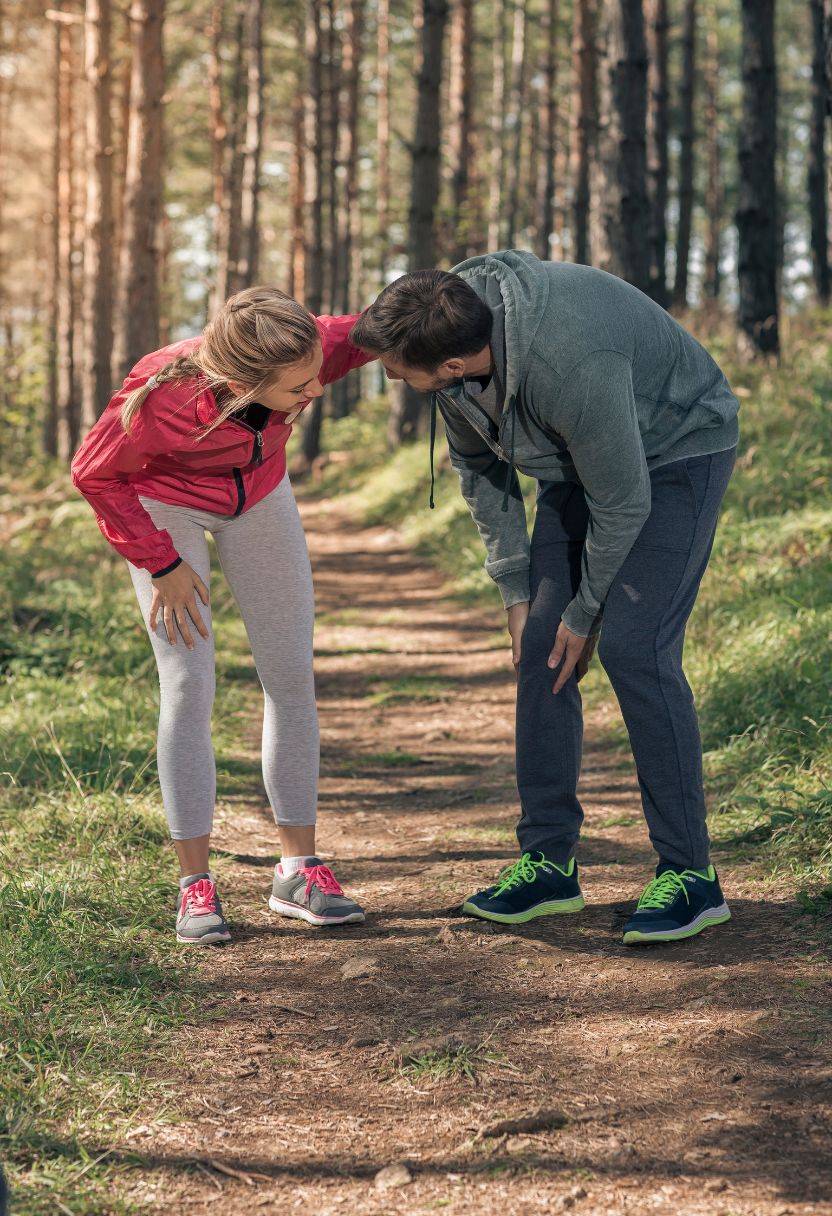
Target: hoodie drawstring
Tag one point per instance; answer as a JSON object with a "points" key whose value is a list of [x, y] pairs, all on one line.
{"points": [[510, 465], [432, 445]]}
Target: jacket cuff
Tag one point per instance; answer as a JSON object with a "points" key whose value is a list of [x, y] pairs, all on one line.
{"points": [[577, 620], [514, 587], [167, 569]]}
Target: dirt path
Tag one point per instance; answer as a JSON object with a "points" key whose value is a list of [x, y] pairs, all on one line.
{"points": [[695, 1078]]}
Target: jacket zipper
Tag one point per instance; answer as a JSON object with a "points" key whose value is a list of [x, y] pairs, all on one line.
{"points": [[256, 459], [467, 414]]}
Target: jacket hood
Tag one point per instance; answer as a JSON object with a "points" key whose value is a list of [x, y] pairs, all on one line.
{"points": [[515, 286]]}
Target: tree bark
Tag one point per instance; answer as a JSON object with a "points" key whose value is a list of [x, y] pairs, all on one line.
{"points": [[137, 318], [49, 434], [69, 415], [405, 417], [545, 220], [297, 258], [817, 176], [680, 284], [96, 383], [757, 206], [227, 279], [623, 212], [219, 131], [383, 139], [584, 127], [461, 133], [332, 184], [713, 184], [313, 126], [519, 51], [250, 186], [658, 169], [498, 126]]}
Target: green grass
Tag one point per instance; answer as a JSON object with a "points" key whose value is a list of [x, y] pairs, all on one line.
{"points": [[91, 987], [759, 649], [408, 688]]}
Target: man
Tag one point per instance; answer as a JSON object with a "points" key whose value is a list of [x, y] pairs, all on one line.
{"points": [[576, 378]]}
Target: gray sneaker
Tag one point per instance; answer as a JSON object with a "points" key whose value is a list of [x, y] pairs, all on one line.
{"points": [[199, 918], [313, 894]]}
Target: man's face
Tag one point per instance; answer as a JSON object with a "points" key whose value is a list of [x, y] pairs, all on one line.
{"points": [[444, 376]]}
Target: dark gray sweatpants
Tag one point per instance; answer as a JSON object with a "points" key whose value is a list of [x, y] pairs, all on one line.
{"points": [[640, 647]]}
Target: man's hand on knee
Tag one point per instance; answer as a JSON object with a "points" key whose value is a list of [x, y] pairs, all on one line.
{"points": [[567, 653], [518, 614]]}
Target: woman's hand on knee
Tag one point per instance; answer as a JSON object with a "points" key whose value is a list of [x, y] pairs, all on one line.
{"points": [[173, 595], [518, 614]]}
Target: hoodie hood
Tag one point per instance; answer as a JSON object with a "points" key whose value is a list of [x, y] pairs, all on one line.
{"points": [[515, 286]]}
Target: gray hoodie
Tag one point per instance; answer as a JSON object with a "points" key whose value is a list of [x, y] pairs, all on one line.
{"points": [[601, 385]]}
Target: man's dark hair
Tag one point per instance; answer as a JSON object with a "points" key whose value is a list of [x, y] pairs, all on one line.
{"points": [[424, 318]]}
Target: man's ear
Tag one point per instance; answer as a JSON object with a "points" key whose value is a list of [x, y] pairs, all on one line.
{"points": [[454, 368]]}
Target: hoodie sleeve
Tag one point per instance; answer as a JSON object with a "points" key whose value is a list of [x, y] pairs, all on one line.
{"points": [[340, 356], [100, 471], [482, 478], [605, 445]]}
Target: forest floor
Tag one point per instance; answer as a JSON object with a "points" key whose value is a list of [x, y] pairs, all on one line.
{"points": [[692, 1079]]}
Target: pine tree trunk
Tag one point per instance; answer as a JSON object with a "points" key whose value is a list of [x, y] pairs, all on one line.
{"points": [[313, 127], [584, 127], [406, 416], [69, 415], [137, 317], [658, 170], [622, 207], [757, 205], [227, 280], [461, 133], [219, 131], [519, 44], [51, 412], [250, 186], [98, 238], [297, 258], [498, 127], [383, 139], [680, 284], [332, 182], [343, 396], [713, 184], [817, 177], [545, 219]]}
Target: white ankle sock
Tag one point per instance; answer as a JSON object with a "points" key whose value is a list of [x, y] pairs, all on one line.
{"points": [[291, 865]]}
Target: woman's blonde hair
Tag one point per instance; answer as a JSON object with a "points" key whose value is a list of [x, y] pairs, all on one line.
{"points": [[256, 333]]}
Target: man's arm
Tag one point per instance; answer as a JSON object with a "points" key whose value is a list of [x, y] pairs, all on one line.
{"points": [[605, 446], [482, 478]]}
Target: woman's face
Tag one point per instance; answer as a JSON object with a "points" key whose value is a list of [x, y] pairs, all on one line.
{"points": [[292, 388]]}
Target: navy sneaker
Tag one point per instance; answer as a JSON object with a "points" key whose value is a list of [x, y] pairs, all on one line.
{"points": [[676, 904], [531, 887]]}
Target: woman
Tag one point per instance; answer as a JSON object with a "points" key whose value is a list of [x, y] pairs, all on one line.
{"points": [[195, 441]]}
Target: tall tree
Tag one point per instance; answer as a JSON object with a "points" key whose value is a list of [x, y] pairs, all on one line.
{"points": [[383, 138], [519, 54], [713, 182], [622, 207], [547, 143], [585, 120], [332, 179], [344, 391], [683, 233], [313, 128], [297, 257], [817, 177], [219, 131], [461, 131], [658, 168], [498, 126], [424, 189], [98, 227], [137, 317], [757, 204], [229, 235], [250, 187]]}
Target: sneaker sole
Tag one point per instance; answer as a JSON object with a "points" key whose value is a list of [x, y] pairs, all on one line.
{"points": [[311, 918], [552, 907], [209, 939], [706, 918]]}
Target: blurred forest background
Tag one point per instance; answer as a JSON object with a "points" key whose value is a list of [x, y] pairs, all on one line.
{"points": [[156, 157]]}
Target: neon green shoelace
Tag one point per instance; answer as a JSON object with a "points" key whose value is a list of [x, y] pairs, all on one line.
{"points": [[524, 870], [660, 892]]}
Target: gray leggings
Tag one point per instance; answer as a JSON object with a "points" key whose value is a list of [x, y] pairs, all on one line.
{"points": [[263, 555]]}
